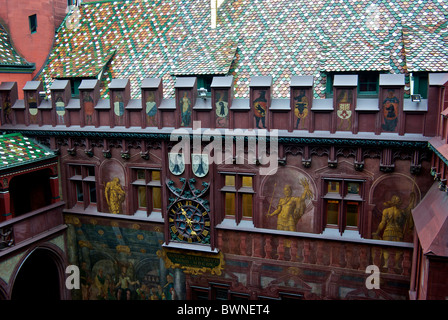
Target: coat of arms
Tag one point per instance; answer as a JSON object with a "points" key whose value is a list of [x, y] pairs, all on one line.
{"points": [[199, 164]]}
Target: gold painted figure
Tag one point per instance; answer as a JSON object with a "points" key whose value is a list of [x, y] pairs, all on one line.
{"points": [[114, 196], [290, 209], [395, 222]]}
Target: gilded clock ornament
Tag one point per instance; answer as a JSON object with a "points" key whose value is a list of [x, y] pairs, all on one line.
{"points": [[189, 221]]}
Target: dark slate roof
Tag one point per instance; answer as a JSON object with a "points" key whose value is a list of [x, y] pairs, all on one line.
{"points": [[278, 38]]}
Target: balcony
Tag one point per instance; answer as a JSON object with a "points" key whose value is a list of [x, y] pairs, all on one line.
{"points": [[31, 227]]}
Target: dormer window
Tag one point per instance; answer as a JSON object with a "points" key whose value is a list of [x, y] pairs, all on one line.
{"points": [[368, 84]]}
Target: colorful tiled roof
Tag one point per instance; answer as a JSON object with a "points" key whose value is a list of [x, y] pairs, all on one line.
{"points": [[17, 150], [426, 48], [9, 57], [280, 38]]}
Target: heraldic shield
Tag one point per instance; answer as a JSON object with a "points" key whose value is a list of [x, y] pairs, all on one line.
{"points": [[199, 164], [176, 163]]}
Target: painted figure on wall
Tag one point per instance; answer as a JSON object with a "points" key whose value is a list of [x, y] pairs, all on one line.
{"points": [[151, 110], [118, 107], [88, 107], [60, 108], [115, 196], [131, 270], [344, 112], [395, 222], [7, 109], [124, 284], [301, 108], [222, 109], [390, 112], [260, 105], [32, 106], [290, 209], [185, 106]]}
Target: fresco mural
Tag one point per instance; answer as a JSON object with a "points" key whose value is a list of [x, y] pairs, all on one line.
{"points": [[344, 111], [259, 106], [32, 107], [394, 197], [151, 110], [60, 108], [7, 109], [118, 108], [88, 107], [287, 203], [390, 111], [222, 109], [300, 109], [119, 261], [185, 107]]}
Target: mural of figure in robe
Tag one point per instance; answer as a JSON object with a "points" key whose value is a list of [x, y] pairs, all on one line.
{"points": [[390, 112], [151, 110], [301, 108], [115, 196], [88, 107], [7, 109], [260, 105], [290, 209], [185, 105]]}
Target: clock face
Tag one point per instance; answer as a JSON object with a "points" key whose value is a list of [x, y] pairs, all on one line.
{"points": [[189, 222]]}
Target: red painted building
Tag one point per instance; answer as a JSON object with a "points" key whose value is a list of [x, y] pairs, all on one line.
{"points": [[27, 30]]}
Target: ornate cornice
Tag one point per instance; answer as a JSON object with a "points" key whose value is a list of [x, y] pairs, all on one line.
{"points": [[337, 141]]}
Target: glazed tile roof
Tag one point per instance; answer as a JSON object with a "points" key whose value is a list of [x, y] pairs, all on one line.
{"points": [[9, 57], [281, 38], [17, 150], [425, 48]]}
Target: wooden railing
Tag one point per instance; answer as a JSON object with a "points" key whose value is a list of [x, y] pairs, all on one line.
{"points": [[19, 230]]}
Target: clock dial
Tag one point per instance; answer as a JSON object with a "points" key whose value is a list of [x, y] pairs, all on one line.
{"points": [[189, 222]]}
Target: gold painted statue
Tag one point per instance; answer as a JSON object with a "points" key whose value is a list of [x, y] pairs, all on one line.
{"points": [[290, 209], [114, 196]]}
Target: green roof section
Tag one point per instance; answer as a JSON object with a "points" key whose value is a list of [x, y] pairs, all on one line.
{"points": [[10, 59], [278, 38], [17, 150]]}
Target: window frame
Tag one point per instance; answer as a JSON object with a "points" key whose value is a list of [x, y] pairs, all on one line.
{"points": [[86, 180], [32, 21], [239, 190], [361, 94], [344, 199], [149, 184]]}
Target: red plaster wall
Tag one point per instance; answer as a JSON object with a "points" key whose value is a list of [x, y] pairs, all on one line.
{"points": [[20, 78], [33, 47]]}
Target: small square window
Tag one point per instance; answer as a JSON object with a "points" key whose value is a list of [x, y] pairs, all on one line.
{"points": [[33, 23]]}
